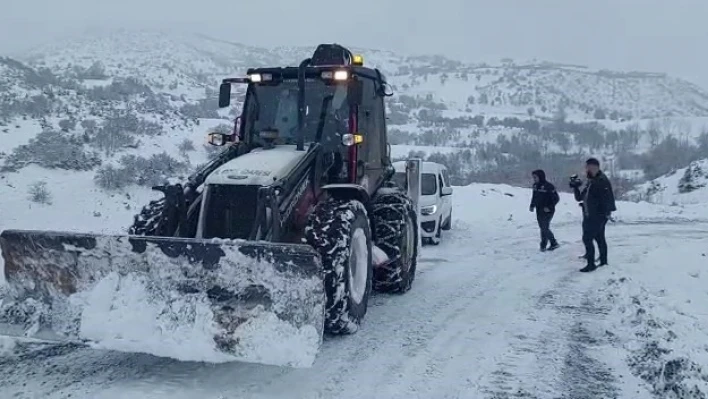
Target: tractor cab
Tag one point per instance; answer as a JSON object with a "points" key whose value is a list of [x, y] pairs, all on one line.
{"points": [[330, 99], [271, 113]]}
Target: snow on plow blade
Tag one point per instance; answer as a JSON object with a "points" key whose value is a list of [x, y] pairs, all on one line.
{"points": [[190, 299]]}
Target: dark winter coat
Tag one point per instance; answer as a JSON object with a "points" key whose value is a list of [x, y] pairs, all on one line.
{"points": [[597, 197], [544, 193]]}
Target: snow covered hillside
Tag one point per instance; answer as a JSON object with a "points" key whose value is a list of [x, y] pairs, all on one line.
{"points": [[135, 97], [488, 317], [179, 63], [687, 185]]}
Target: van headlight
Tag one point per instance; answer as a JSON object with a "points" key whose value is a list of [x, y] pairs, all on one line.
{"points": [[428, 210]]}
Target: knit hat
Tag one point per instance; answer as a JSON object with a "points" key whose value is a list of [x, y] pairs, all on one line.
{"points": [[592, 161]]}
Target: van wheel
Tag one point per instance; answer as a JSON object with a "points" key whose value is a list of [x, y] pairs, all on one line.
{"points": [[435, 240], [448, 223]]}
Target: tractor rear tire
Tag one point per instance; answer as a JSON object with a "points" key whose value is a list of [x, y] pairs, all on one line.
{"points": [[395, 224], [339, 230]]}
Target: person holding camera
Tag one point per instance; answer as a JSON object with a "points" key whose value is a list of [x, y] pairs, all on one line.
{"points": [[544, 201], [598, 202]]}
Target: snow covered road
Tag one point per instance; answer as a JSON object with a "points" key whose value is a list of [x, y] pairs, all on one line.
{"points": [[488, 317]]}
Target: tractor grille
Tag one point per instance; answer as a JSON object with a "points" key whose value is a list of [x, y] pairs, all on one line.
{"points": [[231, 211]]}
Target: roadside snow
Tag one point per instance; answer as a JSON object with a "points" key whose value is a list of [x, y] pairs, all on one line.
{"points": [[7, 346], [684, 186], [661, 312], [501, 205]]}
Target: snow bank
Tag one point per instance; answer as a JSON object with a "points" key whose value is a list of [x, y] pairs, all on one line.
{"points": [[686, 186], [497, 205], [661, 317], [7, 346]]}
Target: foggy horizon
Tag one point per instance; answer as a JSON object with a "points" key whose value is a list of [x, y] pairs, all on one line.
{"points": [[651, 35]]}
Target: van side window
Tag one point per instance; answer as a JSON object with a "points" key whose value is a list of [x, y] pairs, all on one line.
{"points": [[440, 182]]}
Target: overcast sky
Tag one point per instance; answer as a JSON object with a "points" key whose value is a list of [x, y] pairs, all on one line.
{"points": [[654, 35]]}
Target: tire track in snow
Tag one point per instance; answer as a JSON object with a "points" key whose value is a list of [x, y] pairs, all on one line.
{"points": [[406, 328], [459, 358], [656, 354], [564, 357], [554, 361]]}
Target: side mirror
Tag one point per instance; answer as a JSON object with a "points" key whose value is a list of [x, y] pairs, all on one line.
{"points": [[218, 139], [446, 191], [224, 95], [355, 92], [387, 90]]}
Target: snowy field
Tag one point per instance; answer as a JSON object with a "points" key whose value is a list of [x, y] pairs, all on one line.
{"points": [[488, 317]]}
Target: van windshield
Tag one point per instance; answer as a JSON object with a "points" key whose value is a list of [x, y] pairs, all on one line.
{"points": [[428, 184]]}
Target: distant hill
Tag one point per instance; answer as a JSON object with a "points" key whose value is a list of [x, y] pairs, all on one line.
{"points": [[87, 118]]}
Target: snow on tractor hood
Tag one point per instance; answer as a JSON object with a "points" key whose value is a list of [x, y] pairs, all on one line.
{"points": [[259, 167]]}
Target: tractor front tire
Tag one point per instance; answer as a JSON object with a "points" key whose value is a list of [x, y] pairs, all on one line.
{"points": [[339, 230], [395, 224], [147, 222]]}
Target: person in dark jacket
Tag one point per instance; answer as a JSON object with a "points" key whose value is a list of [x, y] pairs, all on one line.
{"points": [[543, 201], [598, 204], [582, 211], [576, 182]]}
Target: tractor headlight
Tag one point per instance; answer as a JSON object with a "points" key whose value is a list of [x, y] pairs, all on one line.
{"points": [[258, 78], [335, 75], [428, 210], [351, 139]]}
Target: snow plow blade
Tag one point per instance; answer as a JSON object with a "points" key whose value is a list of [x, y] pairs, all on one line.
{"points": [[205, 300]]}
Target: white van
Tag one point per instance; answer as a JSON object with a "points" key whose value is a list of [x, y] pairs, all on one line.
{"points": [[435, 201]]}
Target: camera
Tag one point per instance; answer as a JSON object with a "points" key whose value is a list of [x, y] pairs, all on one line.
{"points": [[575, 181]]}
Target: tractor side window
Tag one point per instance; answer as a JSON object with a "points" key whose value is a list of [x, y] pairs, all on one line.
{"points": [[379, 117], [372, 139], [336, 115], [400, 179]]}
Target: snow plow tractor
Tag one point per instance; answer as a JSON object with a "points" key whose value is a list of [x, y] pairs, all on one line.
{"points": [[277, 241]]}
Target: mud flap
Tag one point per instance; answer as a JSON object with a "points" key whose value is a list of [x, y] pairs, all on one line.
{"points": [[189, 299]]}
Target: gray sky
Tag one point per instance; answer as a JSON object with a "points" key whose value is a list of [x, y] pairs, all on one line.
{"points": [[654, 35]]}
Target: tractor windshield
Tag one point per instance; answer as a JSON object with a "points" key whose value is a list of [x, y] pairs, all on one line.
{"points": [[275, 108]]}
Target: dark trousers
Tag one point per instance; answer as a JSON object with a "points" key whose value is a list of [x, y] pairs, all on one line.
{"points": [[594, 231], [544, 223]]}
